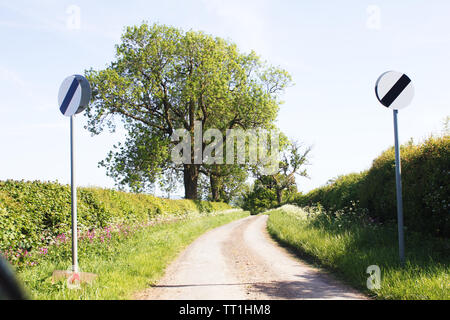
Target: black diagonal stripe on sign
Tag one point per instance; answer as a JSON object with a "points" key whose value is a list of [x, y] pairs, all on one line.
{"points": [[69, 95], [395, 91]]}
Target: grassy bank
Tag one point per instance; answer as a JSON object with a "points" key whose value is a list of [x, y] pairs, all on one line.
{"points": [[126, 260], [348, 243]]}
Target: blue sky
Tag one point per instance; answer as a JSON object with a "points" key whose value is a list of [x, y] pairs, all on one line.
{"points": [[335, 50]]}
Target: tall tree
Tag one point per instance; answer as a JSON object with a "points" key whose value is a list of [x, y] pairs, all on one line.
{"points": [[163, 79]]}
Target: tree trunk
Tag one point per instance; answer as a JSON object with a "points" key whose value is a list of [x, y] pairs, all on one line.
{"points": [[279, 195], [214, 188], [190, 181]]}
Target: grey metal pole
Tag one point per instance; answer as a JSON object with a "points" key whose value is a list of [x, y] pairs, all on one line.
{"points": [[398, 180], [73, 198]]}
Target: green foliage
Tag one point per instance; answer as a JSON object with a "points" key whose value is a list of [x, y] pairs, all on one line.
{"points": [[426, 186], [259, 198], [224, 183], [32, 214], [338, 194], [347, 242], [270, 191], [163, 79], [425, 181]]}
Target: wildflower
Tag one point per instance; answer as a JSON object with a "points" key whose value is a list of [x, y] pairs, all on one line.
{"points": [[61, 237]]}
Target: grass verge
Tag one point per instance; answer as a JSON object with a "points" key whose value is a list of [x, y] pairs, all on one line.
{"points": [[130, 261], [347, 245]]}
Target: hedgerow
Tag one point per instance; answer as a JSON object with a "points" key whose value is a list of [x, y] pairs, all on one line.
{"points": [[34, 213], [425, 181]]}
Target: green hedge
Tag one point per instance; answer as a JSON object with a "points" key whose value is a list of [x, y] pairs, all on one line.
{"points": [[426, 188], [33, 213], [339, 193]]}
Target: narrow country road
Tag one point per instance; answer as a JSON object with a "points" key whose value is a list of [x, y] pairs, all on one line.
{"points": [[240, 261]]}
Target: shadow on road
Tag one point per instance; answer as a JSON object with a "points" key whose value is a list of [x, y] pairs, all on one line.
{"points": [[309, 287]]}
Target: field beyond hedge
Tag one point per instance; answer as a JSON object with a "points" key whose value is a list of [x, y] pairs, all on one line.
{"points": [[34, 215]]}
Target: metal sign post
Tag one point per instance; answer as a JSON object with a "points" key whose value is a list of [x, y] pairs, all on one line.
{"points": [[394, 90], [398, 183], [73, 192], [74, 95]]}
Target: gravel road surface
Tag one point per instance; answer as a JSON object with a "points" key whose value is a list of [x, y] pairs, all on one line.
{"points": [[240, 261]]}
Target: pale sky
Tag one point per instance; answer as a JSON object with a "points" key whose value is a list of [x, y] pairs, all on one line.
{"points": [[335, 51]]}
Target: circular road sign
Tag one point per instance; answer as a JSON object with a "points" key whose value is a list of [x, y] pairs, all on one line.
{"points": [[394, 90], [74, 95]]}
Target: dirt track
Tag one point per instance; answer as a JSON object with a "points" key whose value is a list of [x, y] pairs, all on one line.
{"points": [[240, 261]]}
